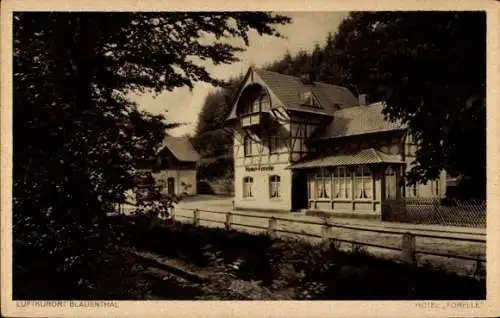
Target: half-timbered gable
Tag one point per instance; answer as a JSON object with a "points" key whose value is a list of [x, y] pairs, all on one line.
{"points": [[302, 144]]}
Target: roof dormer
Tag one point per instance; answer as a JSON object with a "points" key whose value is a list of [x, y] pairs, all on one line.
{"points": [[309, 99]]}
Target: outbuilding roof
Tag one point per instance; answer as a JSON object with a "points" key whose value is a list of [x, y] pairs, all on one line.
{"points": [[181, 148], [366, 156]]}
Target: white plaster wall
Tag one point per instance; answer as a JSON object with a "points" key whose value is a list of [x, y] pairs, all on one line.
{"points": [[260, 189], [186, 176]]}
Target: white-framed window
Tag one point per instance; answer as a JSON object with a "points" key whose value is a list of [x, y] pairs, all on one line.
{"points": [[390, 183], [309, 99], [247, 146], [363, 183], [265, 103], [341, 183], [274, 142], [274, 186], [247, 187], [323, 184], [257, 104]]}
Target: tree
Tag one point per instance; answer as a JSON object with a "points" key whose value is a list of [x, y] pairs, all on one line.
{"points": [[283, 66], [77, 139], [211, 139], [329, 71], [316, 59], [430, 70]]}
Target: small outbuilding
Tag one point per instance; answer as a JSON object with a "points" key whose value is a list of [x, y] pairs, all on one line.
{"points": [[176, 168]]}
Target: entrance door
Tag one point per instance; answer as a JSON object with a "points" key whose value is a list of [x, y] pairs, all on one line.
{"points": [[299, 190], [170, 186]]}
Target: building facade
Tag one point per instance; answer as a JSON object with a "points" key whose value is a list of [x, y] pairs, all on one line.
{"points": [[176, 166], [302, 144]]}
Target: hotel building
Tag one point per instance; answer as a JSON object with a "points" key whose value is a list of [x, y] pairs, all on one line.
{"points": [[300, 144]]}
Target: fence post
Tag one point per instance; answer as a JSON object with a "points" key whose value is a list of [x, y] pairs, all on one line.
{"points": [[172, 213], [408, 248], [196, 217], [271, 229], [326, 231], [229, 219]]}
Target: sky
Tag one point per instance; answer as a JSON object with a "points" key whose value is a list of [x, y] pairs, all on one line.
{"points": [[182, 105]]}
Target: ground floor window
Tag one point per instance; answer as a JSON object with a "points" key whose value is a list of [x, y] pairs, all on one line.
{"points": [[390, 183], [436, 190], [323, 184], [342, 183], [274, 186], [247, 187], [363, 183]]}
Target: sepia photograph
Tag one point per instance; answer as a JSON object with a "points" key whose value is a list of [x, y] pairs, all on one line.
{"points": [[246, 155]]}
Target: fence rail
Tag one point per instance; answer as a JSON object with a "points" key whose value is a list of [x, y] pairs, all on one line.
{"points": [[408, 246]]}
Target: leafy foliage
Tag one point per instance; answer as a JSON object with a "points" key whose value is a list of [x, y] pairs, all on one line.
{"points": [[265, 268], [78, 141], [211, 139], [430, 70]]}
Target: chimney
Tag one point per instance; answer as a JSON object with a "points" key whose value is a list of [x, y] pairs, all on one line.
{"points": [[308, 77], [362, 99]]}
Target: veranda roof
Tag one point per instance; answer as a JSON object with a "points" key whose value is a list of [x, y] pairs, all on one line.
{"points": [[366, 156]]}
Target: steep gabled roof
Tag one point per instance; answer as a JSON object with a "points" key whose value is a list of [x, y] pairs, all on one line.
{"points": [[288, 89], [181, 148], [349, 118], [356, 121]]}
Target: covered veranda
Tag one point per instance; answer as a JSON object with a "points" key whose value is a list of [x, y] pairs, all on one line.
{"points": [[353, 183]]}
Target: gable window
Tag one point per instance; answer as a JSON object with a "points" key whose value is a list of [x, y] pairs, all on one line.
{"points": [[342, 183], [257, 103], [274, 186], [247, 146], [323, 184], [308, 99], [363, 183], [265, 103], [247, 187]]}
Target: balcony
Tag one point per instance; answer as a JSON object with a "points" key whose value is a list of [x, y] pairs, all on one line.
{"points": [[253, 119]]}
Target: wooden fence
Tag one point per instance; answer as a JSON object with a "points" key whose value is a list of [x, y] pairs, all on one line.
{"points": [[408, 248]]}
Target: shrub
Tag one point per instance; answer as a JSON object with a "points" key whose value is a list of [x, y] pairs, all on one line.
{"points": [[298, 269]]}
